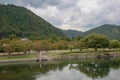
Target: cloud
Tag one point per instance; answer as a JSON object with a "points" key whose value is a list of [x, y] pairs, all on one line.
{"points": [[74, 14]]}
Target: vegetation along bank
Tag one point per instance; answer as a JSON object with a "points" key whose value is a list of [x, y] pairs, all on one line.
{"points": [[92, 46]]}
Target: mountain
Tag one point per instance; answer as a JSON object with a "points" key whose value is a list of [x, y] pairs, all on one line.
{"points": [[72, 33], [112, 31], [24, 23]]}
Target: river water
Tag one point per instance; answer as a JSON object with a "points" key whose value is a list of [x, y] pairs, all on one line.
{"points": [[69, 70]]}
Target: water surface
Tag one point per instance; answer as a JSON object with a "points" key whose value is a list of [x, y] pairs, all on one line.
{"points": [[85, 70]]}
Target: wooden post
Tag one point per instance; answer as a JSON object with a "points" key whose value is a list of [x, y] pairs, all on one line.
{"points": [[40, 54], [40, 57]]}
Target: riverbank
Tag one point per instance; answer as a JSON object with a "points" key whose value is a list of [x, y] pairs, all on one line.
{"points": [[60, 55]]}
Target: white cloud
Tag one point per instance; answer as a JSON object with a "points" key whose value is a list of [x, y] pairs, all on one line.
{"points": [[88, 6], [75, 14]]}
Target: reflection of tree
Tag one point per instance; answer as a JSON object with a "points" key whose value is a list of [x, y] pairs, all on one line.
{"points": [[14, 72], [25, 71], [97, 69], [115, 64]]}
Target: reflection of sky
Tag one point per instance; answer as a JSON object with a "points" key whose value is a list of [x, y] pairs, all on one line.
{"points": [[73, 74], [65, 74], [113, 75]]}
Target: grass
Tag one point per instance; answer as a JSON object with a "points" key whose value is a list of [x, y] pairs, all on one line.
{"points": [[59, 53], [17, 57], [90, 52]]}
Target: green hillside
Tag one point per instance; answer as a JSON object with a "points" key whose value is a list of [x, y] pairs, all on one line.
{"points": [[112, 31], [24, 23], [72, 33]]}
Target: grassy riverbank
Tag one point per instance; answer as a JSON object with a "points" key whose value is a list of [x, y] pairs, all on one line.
{"points": [[17, 57], [59, 55]]}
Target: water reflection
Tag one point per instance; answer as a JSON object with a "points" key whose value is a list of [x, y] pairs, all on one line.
{"points": [[88, 70]]}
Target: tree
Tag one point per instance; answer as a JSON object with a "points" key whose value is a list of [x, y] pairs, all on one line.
{"points": [[36, 45], [70, 46], [18, 46], [79, 38], [96, 41], [54, 46], [12, 36], [8, 48], [4, 46], [62, 44], [80, 44], [25, 46], [114, 44], [105, 42], [45, 45]]}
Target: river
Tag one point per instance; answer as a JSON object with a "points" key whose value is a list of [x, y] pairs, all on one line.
{"points": [[65, 70]]}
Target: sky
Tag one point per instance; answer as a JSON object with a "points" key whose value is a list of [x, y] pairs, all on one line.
{"points": [[79, 15]]}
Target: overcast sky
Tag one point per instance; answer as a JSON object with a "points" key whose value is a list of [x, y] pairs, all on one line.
{"points": [[74, 14]]}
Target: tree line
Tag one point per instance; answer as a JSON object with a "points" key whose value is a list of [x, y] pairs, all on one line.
{"points": [[94, 41]]}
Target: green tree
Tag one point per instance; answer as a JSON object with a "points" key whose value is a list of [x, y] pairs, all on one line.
{"points": [[45, 45], [18, 46], [12, 36], [62, 44], [25, 46], [79, 38], [80, 44], [96, 41], [8, 48], [70, 46], [3, 44], [36, 45], [105, 42], [114, 44]]}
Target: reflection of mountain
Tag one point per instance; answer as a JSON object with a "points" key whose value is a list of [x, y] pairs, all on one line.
{"points": [[93, 70]]}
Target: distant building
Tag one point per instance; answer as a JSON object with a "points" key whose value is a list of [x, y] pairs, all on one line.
{"points": [[24, 39], [4, 44]]}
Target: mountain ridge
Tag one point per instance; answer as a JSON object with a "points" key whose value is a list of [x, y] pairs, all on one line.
{"points": [[72, 33], [112, 31], [24, 23]]}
